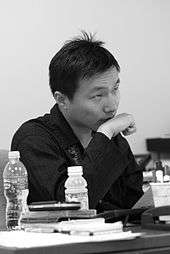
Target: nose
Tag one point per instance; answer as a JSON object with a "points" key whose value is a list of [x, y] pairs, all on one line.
{"points": [[111, 104]]}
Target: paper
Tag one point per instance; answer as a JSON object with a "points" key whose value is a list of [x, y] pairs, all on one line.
{"points": [[93, 226], [146, 201], [21, 239]]}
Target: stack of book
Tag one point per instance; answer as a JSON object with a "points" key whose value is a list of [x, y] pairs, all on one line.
{"points": [[32, 217]]}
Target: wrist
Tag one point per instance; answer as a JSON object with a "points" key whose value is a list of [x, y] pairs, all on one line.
{"points": [[107, 133]]}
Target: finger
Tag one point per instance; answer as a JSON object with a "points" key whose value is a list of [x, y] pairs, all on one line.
{"points": [[129, 131]]}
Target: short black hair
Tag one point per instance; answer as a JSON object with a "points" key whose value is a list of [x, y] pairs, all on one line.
{"points": [[79, 58]]}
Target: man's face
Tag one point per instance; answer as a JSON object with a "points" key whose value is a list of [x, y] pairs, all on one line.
{"points": [[95, 101]]}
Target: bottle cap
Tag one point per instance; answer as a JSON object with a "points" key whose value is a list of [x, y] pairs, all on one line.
{"points": [[14, 154], [75, 170], [158, 165]]}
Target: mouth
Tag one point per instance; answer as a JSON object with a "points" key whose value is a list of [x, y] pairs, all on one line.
{"points": [[105, 119], [101, 121], [110, 116]]}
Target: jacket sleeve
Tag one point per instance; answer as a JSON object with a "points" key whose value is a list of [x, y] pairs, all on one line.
{"points": [[132, 181], [105, 162]]}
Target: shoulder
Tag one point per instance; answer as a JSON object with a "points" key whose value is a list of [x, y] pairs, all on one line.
{"points": [[35, 129]]}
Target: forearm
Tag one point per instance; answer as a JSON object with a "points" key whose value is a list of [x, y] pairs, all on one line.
{"points": [[103, 164], [133, 182]]}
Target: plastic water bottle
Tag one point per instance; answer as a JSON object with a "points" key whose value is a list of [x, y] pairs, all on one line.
{"points": [[15, 190], [76, 187], [159, 171]]}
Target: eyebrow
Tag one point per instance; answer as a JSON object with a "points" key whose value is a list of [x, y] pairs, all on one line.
{"points": [[98, 88]]}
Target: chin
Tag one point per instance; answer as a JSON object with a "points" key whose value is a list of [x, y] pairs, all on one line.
{"points": [[95, 127]]}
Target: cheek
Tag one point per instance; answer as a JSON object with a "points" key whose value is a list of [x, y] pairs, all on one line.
{"points": [[117, 99], [91, 112]]}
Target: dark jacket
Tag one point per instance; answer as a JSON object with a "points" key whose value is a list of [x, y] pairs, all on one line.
{"points": [[48, 146]]}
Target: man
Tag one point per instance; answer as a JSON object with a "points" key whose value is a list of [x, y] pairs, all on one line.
{"points": [[82, 129]]}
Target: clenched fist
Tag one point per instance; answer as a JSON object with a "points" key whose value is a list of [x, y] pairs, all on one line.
{"points": [[124, 123]]}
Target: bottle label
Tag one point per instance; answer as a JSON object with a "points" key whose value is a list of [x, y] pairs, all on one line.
{"points": [[81, 197], [16, 192], [20, 182], [23, 197], [14, 187]]}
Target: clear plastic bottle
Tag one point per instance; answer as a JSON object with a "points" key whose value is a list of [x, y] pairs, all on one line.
{"points": [[159, 171], [166, 173], [76, 187], [15, 190]]}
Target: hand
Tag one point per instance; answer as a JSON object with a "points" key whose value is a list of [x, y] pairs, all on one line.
{"points": [[130, 130], [124, 123]]}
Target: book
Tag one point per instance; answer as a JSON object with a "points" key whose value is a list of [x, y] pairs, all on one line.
{"points": [[88, 227], [55, 216]]}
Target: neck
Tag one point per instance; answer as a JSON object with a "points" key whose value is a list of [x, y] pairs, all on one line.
{"points": [[82, 133]]}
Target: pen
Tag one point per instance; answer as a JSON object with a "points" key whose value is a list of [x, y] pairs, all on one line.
{"points": [[68, 232], [40, 230]]}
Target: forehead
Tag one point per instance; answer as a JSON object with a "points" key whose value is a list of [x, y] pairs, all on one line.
{"points": [[101, 80]]}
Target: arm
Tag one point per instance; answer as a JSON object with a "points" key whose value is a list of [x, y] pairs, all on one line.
{"points": [[112, 161], [47, 165], [133, 181]]}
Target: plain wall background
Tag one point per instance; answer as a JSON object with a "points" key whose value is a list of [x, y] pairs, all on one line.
{"points": [[136, 31]]}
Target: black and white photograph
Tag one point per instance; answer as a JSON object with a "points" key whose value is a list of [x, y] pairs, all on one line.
{"points": [[85, 126]]}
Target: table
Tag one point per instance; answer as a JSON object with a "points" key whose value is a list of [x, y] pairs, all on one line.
{"points": [[151, 242]]}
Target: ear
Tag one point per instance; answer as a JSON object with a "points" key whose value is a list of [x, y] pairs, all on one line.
{"points": [[61, 99]]}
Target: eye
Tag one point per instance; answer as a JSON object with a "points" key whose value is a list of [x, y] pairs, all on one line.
{"points": [[97, 96]]}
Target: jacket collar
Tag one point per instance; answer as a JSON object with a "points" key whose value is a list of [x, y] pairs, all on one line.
{"points": [[62, 128]]}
